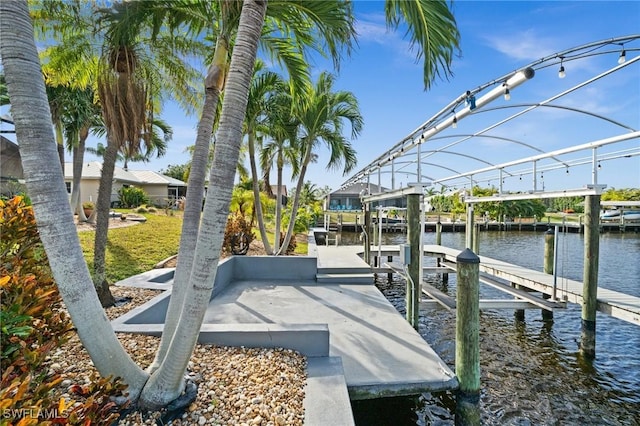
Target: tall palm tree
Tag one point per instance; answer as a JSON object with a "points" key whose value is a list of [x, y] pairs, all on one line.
{"points": [[166, 383], [280, 148], [291, 28], [322, 114], [45, 184], [264, 86]]}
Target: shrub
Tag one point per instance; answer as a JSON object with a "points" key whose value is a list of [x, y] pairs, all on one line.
{"points": [[236, 224], [132, 197], [32, 324]]}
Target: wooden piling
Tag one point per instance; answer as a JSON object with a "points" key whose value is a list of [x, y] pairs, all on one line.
{"points": [[367, 233], [468, 338], [413, 236], [439, 232], [390, 274], [590, 274], [549, 255]]}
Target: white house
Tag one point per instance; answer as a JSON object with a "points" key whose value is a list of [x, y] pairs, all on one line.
{"points": [[158, 187]]}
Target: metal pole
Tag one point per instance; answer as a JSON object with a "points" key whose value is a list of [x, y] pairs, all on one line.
{"points": [[590, 274], [468, 338], [367, 232], [469, 227], [554, 268]]}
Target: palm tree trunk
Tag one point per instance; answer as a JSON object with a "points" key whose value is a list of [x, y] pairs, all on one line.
{"points": [[280, 166], [257, 209], [166, 382], [296, 199], [214, 84], [103, 205], [78, 163], [45, 183]]}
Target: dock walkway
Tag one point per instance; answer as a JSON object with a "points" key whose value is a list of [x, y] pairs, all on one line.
{"points": [[616, 304]]}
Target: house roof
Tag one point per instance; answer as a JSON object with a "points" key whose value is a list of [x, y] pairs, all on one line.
{"points": [[151, 177], [356, 189], [93, 170]]}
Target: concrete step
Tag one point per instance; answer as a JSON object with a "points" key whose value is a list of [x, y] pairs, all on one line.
{"points": [[366, 278], [326, 399], [366, 269]]}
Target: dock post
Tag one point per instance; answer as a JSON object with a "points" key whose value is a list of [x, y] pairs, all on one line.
{"points": [[549, 256], [439, 232], [468, 338], [590, 274], [518, 313], [468, 227], [367, 233], [413, 236], [476, 239], [390, 274]]}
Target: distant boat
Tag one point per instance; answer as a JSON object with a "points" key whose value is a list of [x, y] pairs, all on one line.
{"points": [[615, 215], [631, 215], [610, 214]]}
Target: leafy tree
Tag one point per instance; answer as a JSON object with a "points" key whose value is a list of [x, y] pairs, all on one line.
{"points": [[177, 171]]}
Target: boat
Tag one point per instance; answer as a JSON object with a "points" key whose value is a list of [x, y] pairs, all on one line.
{"points": [[610, 214], [631, 215]]}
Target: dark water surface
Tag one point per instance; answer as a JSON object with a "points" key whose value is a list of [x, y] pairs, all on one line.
{"points": [[532, 373]]}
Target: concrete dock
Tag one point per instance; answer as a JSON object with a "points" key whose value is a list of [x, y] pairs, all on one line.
{"points": [[328, 308]]}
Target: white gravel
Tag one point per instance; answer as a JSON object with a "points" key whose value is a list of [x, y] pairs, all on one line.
{"points": [[236, 386]]}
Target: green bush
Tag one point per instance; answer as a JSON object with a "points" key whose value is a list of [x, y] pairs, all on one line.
{"points": [[130, 197]]}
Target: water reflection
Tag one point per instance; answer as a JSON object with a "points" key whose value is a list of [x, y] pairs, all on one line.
{"points": [[531, 370]]}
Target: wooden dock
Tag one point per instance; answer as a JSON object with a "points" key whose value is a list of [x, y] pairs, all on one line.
{"points": [[616, 304]]}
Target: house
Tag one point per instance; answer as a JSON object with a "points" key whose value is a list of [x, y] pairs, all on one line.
{"points": [[348, 199], [158, 187], [10, 167]]}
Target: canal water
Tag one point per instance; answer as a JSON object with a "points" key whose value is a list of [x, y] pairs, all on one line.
{"points": [[532, 373]]}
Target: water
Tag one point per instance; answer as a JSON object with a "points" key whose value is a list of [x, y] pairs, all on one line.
{"points": [[532, 373]]}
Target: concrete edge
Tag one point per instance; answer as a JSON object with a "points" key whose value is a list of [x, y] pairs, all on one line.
{"points": [[359, 392], [326, 400], [311, 340]]}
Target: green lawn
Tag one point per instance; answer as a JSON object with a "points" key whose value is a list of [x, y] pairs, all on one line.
{"points": [[136, 249]]}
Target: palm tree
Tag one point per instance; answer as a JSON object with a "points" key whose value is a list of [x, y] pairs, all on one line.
{"points": [[322, 115], [45, 184], [291, 28], [166, 383], [264, 86], [281, 148]]}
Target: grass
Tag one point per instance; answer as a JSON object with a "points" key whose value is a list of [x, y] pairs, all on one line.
{"points": [[136, 249]]}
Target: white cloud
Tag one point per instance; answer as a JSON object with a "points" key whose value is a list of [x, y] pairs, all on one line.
{"points": [[523, 45]]}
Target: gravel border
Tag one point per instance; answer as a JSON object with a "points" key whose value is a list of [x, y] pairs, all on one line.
{"points": [[236, 386]]}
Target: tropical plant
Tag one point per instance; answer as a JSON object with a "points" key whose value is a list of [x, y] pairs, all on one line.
{"points": [[321, 115]]}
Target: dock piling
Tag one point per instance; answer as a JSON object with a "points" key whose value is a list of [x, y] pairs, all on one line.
{"points": [[467, 338], [590, 274], [413, 236], [549, 257]]}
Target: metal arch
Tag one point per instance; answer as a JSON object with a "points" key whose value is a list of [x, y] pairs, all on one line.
{"points": [[575, 53], [578, 110], [469, 136]]}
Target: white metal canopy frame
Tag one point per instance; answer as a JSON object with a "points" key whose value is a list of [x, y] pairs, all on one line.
{"points": [[554, 98]]}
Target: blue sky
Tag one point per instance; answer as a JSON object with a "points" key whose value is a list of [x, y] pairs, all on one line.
{"points": [[496, 38]]}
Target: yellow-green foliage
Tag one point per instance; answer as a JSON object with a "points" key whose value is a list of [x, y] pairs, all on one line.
{"points": [[136, 249]]}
